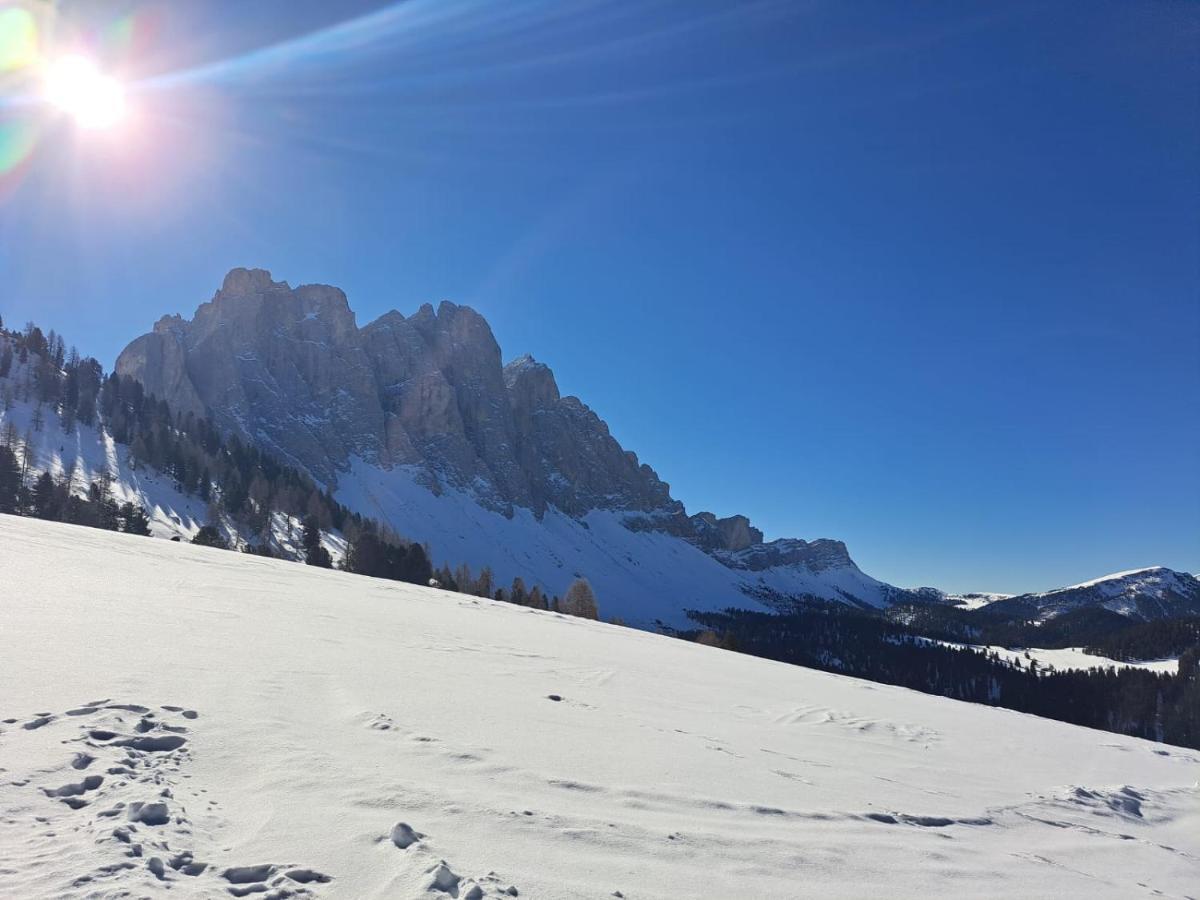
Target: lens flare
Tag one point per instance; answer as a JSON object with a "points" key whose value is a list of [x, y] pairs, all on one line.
{"points": [[17, 140], [77, 86], [18, 39]]}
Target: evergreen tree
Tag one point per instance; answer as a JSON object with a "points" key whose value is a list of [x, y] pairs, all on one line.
{"points": [[10, 480], [417, 568], [367, 555], [44, 506], [314, 553], [134, 519], [209, 536]]}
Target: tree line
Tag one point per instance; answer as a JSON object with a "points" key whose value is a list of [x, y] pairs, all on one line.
{"points": [[1088, 627], [1161, 639], [836, 638]]}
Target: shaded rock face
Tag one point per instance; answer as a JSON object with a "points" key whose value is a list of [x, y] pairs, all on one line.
{"points": [[289, 370], [282, 368], [733, 533], [816, 556]]}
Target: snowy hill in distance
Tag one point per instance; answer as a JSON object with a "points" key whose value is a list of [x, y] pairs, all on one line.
{"points": [[222, 724], [1142, 594]]}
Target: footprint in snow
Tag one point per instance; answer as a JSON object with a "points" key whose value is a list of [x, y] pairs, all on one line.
{"points": [[141, 752], [437, 877]]}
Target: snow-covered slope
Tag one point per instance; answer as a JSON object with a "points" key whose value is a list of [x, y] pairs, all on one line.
{"points": [[640, 575], [89, 452], [1155, 593], [185, 718]]}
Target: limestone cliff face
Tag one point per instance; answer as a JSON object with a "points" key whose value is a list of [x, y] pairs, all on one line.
{"points": [[290, 370]]}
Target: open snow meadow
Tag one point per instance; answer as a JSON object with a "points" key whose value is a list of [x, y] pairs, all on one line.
{"points": [[181, 721]]}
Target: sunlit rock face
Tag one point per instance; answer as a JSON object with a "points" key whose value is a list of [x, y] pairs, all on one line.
{"points": [[289, 370]]}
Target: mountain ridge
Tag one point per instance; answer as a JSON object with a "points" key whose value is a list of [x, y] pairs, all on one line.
{"points": [[427, 399], [1156, 592], [724, 560]]}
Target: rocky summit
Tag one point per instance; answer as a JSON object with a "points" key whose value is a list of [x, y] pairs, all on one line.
{"points": [[405, 410]]}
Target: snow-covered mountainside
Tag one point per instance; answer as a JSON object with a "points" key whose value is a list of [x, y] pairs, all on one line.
{"points": [[1154, 593], [640, 574], [225, 725], [89, 454], [416, 422]]}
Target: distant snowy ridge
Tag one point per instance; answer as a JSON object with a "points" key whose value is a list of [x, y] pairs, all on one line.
{"points": [[974, 600], [1153, 593]]}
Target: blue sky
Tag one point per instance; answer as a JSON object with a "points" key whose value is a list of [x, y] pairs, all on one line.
{"points": [[921, 277]]}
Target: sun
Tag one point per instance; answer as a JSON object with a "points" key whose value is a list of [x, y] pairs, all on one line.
{"points": [[77, 86]]}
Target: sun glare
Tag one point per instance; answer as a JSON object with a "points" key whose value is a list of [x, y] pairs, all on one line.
{"points": [[76, 85]]}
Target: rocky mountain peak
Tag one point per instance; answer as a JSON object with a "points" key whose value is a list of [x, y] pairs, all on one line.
{"points": [[243, 282], [172, 324], [530, 385], [288, 369]]}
